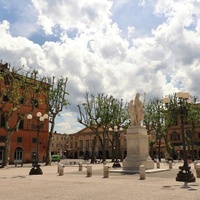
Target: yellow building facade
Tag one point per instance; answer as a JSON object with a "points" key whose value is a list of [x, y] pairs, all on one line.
{"points": [[59, 144], [79, 145]]}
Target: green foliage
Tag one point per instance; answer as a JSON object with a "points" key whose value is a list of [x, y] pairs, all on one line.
{"points": [[103, 111], [155, 116]]}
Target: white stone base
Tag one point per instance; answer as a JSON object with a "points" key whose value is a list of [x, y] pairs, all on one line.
{"points": [[137, 149], [134, 165]]}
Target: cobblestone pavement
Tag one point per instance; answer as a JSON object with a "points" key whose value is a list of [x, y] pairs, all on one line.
{"points": [[17, 184]]}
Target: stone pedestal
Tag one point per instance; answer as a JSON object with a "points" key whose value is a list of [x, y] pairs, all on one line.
{"points": [[137, 149]]}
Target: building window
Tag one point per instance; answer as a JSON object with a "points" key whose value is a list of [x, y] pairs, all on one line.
{"points": [[87, 144], [34, 102], [19, 139], [81, 144], [6, 80], [71, 145], [2, 138], [76, 144], [21, 124], [21, 101], [174, 136], [18, 153], [5, 98], [36, 90], [34, 140], [3, 121]]}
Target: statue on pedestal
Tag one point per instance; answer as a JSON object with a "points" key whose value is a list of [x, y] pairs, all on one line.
{"points": [[136, 112], [137, 138]]}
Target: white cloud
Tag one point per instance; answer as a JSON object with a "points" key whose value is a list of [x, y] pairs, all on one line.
{"points": [[95, 55], [84, 15]]}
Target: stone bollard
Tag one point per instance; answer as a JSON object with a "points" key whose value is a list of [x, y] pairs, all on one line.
{"points": [[106, 171], [170, 164], [198, 170], [142, 172], [89, 171], [158, 164], [61, 170], [58, 168], [195, 164], [80, 167]]}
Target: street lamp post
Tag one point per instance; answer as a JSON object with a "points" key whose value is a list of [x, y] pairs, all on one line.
{"points": [[116, 133], [184, 175], [36, 170]]}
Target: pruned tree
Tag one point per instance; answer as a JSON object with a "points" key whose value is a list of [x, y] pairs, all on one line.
{"points": [[19, 88], [158, 119], [153, 121], [193, 118], [99, 113], [56, 101]]}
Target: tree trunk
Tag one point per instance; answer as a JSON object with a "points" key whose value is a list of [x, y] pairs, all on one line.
{"points": [[6, 152], [93, 150], [104, 152], [113, 152], [159, 146], [48, 150]]}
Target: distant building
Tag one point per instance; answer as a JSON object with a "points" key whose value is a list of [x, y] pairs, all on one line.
{"points": [[174, 136], [175, 140], [80, 144], [59, 144]]}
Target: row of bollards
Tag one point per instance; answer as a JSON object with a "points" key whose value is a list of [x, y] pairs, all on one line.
{"points": [[106, 169], [60, 170]]}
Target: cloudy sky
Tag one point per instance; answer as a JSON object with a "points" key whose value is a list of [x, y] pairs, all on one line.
{"points": [[116, 47]]}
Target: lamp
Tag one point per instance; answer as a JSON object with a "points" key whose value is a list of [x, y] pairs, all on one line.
{"points": [[35, 170], [116, 133], [184, 175]]}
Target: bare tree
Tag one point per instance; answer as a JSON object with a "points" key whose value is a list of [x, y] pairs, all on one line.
{"points": [[99, 113], [56, 102]]}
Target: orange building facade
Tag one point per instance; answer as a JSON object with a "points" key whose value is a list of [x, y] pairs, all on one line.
{"points": [[23, 146]]}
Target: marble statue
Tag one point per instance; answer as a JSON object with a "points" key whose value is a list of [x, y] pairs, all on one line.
{"points": [[136, 112]]}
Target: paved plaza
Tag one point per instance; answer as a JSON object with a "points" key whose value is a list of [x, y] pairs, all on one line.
{"points": [[17, 184]]}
